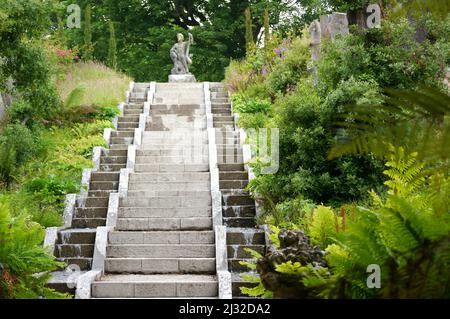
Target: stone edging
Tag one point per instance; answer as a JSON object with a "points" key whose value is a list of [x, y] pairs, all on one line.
{"points": [[223, 275]]}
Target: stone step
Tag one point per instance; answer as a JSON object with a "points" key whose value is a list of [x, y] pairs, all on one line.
{"points": [[102, 193], [171, 168], [234, 264], [169, 177], [157, 193], [182, 152], [171, 186], [230, 150], [221, 118], [161, 251], [122, 140], [231, 167], [220, 103], [194, 141], [237, 200], [64, 281], [119, 148], [112, 167], [112, 152], [239, 211], [104, 177], [132, 125], [97, 202], [178, 146], [113, 160], [239, 221], [223, 125], [91, 212], [230, 159], [166, 202], [147, 286], [236, 175], [160, 125], [219, 100], [88, 222], [221, 111], [84, 263], [195, 158], [74, 250], [160, 265], [235, 184], [134, 106], [129, 118], [76, 236], [122, 134], [103, 186], [160, 224], [161, 237], [237, 282], [135, 211], [133, 111], [164, 107], [245, 236], [237, 251], [173, 111]]}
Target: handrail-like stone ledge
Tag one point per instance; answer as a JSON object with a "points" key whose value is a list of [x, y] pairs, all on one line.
{"points": [[223, 275]]}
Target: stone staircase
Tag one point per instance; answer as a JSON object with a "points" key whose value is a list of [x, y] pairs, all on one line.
{"points": [[75, 245], [238, 208], [163, 245]]}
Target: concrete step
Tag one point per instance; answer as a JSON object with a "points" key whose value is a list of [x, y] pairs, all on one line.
{"points": [[180, 152], [100, 193], [122, 140], [169, 177], [133, 111], [113, 160], [160, 265], [119, 148], [239, 211], [135, 211], [88, 222], [161, 237], [132, 125], [239, 221], [221, 111], [235, 184], [104, 177], [177, 146], [221, 118], [97, 202], [230, 159], [237, 200], [194, 158], [237, 251], [231, 167], [166, 202], [234, 264], [74, 250], [161, 251], [236, 175], [171, 186], [147, 286], [103, 186], [167, 224], [85, 263], [76, 236], [112, 152], [237, 282], [158, 193], [219, 100], [134, 106], [171, 168], [129, 118], [122, 134], [91, 212], [174, 111], [245, 236], [64, 281], [112, 167]]}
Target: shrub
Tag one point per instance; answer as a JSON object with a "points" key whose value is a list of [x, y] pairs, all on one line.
{"points": [[25, 263]]}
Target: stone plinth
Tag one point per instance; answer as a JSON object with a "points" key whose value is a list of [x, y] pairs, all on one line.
{"points": [[182, 78]]}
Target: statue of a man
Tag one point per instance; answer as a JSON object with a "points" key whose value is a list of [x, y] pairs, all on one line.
{"points": [[180, 55]]}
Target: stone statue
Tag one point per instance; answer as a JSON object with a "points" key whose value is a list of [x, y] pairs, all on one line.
{"points": [[181, 60], [180, 55]]}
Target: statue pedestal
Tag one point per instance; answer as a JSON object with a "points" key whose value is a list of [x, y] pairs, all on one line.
{"points": [[182, 78]]}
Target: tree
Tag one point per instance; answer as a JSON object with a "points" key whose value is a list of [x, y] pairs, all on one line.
{"points": [[112, 54], [249, 42], [266, 28], [88, 47]]}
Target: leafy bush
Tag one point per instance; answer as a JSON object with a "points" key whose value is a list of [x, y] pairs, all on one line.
{"points": [[25, 264], [323, 226], [17, 145]]}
